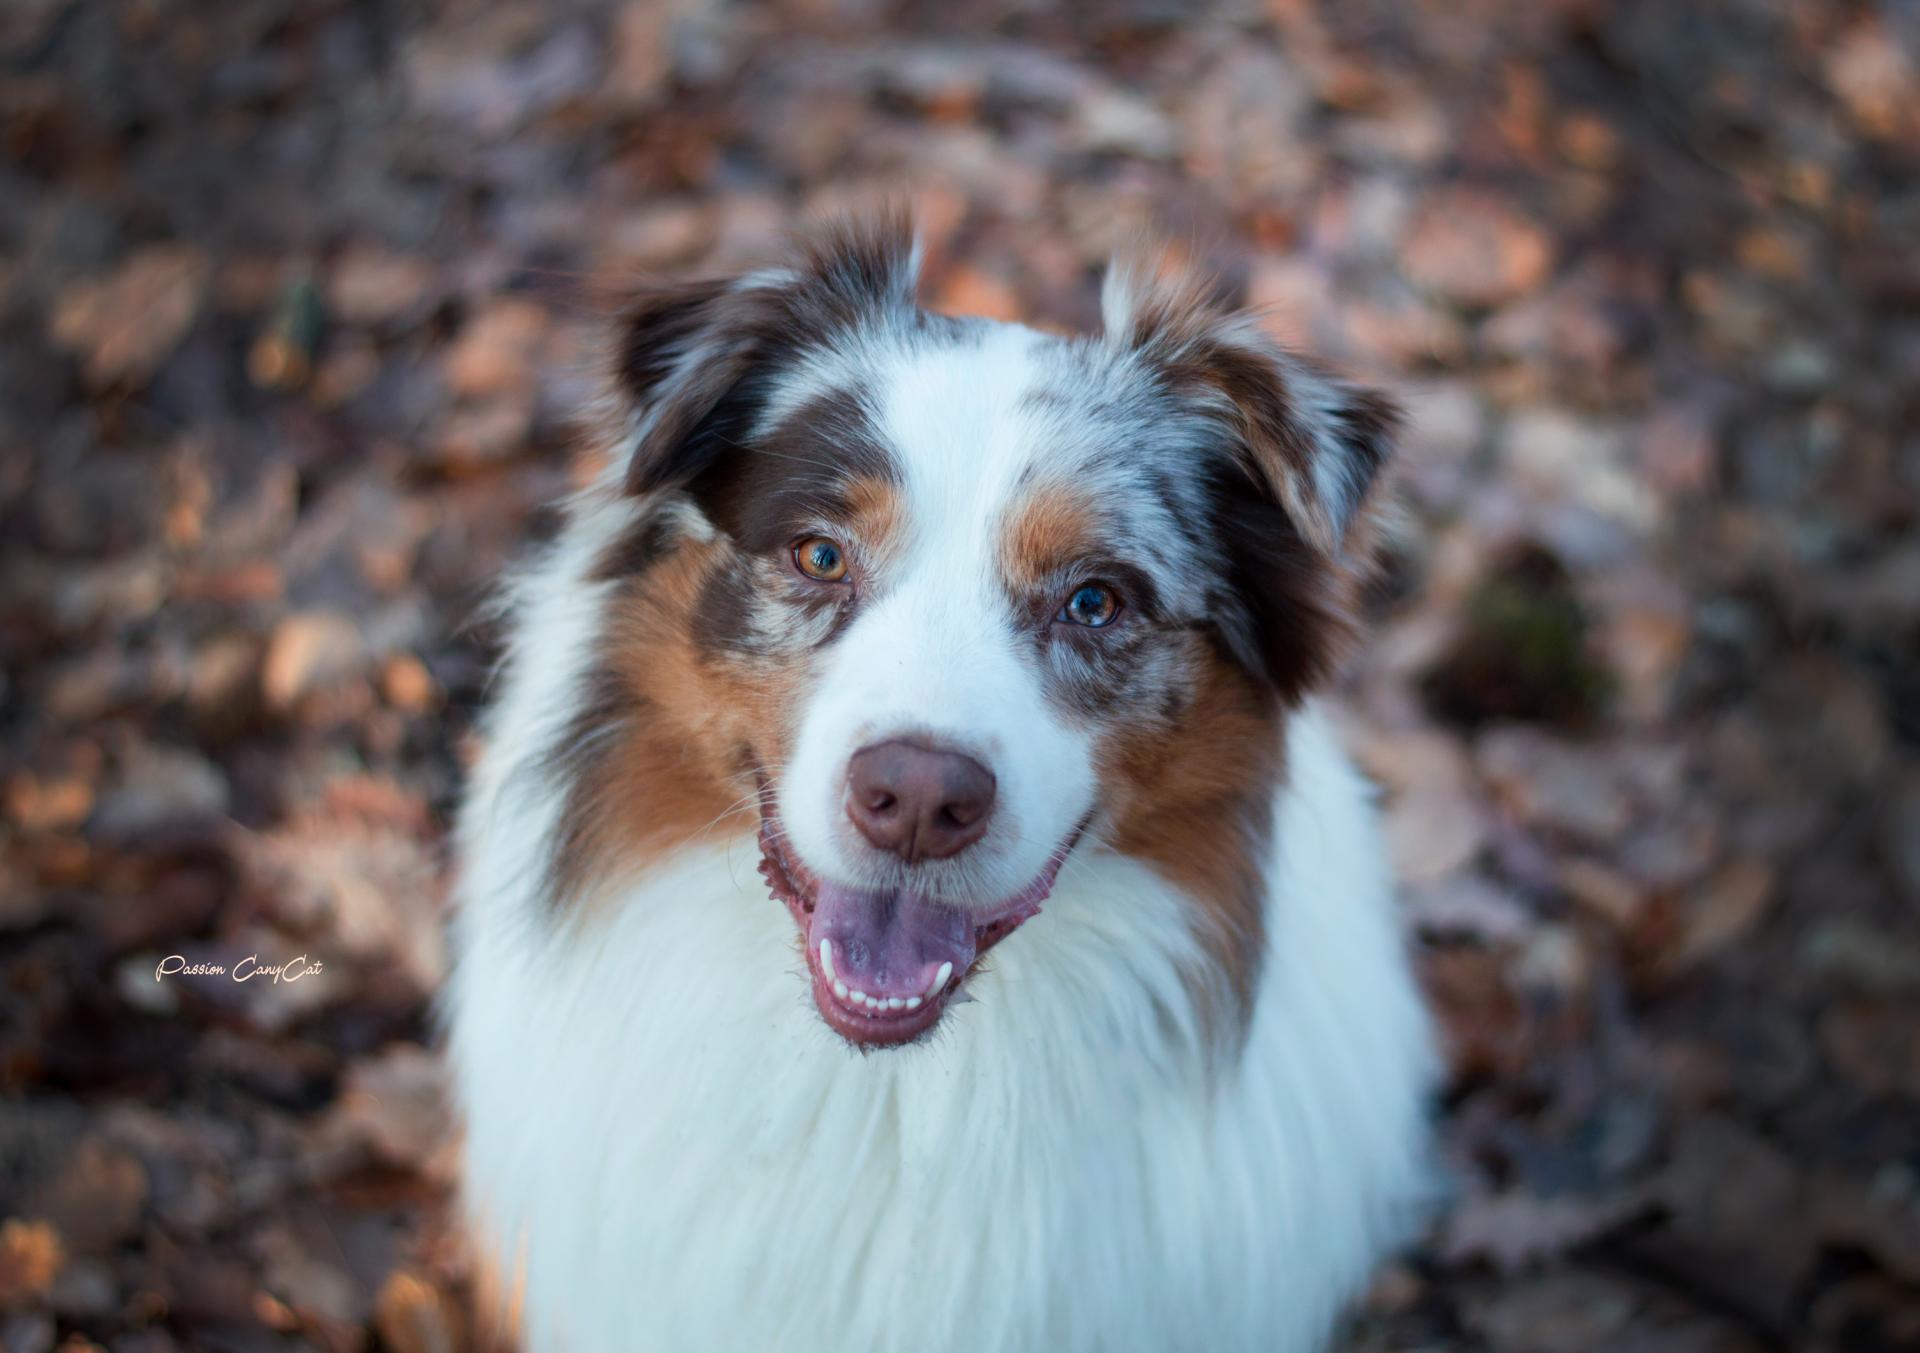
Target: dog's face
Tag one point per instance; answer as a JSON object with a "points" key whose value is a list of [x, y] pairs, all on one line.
{"points": [[946, 600]]}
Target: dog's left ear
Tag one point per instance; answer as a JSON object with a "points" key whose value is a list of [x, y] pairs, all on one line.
{"points": [[1314, 442], [1295, 482]]}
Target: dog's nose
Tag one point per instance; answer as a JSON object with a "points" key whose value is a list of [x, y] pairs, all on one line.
{"points": [[921, 803]]}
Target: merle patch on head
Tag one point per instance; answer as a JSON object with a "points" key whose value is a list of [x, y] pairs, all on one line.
{"points": [[1290, 461], [806, 469]]}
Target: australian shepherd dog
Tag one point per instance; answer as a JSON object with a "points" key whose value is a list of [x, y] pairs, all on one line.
{"points": [[910, 898]]}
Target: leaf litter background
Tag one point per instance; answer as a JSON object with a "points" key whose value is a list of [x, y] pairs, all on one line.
{"points": [[292, 316]]}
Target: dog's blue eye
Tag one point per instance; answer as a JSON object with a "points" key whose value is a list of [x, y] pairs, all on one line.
{"points": [[1092, 605], [821, 559]]}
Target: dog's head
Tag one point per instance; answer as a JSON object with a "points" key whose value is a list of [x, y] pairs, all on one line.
{"points": [[945, 599]]}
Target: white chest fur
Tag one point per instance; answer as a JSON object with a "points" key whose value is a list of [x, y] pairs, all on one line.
{"points": [[673, 1150]]}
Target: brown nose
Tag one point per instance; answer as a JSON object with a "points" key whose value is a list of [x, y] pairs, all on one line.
{"points": [[921, 803]]}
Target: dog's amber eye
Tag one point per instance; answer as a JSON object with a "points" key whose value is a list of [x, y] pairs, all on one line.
{"points": [[820, 558], [1092, 605]]}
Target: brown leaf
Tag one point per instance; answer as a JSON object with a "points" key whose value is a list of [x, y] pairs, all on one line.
{"points": [[1555, 784], [1470, 906], [357, 872], [314, 1284], [124, 325], [498, 350], [969, 291], [48, 803], [1474, 249], [1605, 891], [30, 1257], [1518, 1229], [407, 684], [640, 57], [306, 651], [414, 1316], [1484, 1026], [370, 285], [1875, 78], [485, 431], [395, 1104], [1723, 911], [1433, 834], [98, 1198], [1435, 822]]}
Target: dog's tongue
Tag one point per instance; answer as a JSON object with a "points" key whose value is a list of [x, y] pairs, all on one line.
{"points": [[890, 944]]}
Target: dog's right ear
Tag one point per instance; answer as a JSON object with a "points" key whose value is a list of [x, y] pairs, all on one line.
{"points": [[683, 374], [695, 361]]}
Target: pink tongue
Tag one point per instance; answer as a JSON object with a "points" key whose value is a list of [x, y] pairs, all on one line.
{"points": [[889, 943]]}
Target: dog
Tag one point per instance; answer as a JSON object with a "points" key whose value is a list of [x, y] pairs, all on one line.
{"points": [[909, 897]]}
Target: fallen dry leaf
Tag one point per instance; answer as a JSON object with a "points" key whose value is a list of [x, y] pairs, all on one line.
{"points": [[396, 1105], [1517, 1229], [369, 285], [307, 651], [30, 1257], [98, 1199], [497, 353], [1472, 248], [124, 325], [414, 1316], [969, 291], [1727, 907]]}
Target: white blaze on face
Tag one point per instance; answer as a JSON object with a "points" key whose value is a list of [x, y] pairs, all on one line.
{"points": [[936, 650]]}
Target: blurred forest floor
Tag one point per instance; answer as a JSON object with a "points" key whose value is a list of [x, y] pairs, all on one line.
{"points": [[293, 315]]}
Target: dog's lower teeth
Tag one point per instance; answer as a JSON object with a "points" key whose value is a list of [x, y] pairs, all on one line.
{"points": [[876, 1005], [887, 1004]]}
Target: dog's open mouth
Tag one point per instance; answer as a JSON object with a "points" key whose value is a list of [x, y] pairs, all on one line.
{"points": [[886, 963]]}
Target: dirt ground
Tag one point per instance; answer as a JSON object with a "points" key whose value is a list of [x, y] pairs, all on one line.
{"points": [[296, 302]]}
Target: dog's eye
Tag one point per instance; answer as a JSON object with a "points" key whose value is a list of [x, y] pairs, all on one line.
{"points": [[1092, 605], [820, 558]]}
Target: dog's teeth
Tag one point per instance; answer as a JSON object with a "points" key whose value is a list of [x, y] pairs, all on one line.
{"points": [[840, 990], [826, 960], [913, 1002], [859, 998], [940, 979], [894, 1003]]}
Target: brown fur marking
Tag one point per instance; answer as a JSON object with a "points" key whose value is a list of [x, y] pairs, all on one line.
{"points": [[1052, 528], [1193, 798], [664, 767]]}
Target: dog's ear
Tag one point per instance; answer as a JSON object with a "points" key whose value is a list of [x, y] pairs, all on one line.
{"points": [[695, 361], [681, 374], [1315, 443], [1294, 489]]}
